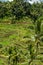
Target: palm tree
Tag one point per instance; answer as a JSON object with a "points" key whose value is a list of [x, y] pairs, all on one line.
{"points": [[38, 34], [13, 56]]}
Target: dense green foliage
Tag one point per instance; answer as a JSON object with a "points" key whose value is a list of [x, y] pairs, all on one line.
{"points": [[21, 38], [19, 9]]}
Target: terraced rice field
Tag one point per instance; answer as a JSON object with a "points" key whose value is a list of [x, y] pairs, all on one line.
{"points": [[19, 35]]}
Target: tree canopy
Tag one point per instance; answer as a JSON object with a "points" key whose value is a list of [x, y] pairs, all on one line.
{"points": [[20, 8]]}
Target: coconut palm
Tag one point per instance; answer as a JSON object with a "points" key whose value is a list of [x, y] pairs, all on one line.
{"points": [[38, 32], [37, 42]]}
